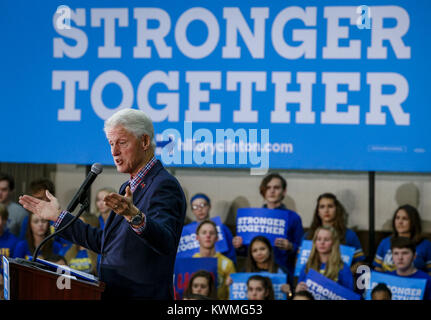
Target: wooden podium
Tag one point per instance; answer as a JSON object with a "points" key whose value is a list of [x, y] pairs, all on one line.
{"points": [[28, 282]]}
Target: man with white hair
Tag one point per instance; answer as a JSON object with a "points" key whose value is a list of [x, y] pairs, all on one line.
{"points": [[141, 235]]}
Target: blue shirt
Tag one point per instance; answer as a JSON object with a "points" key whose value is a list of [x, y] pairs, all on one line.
{"points": [[351, 240], [81, 262], [345, 277], [295, 232], [383, 258], [23, 251], [7, 245], [419, 275]]}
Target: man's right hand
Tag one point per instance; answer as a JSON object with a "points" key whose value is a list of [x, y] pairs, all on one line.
{"points": [[48, 210]]}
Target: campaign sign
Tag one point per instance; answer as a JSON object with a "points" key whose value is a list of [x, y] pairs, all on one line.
{"points": [[323, 288], [184, 269], [270, 223], [6, 280], [347, 253], [401, 288], [238, 289], [188, 245]]}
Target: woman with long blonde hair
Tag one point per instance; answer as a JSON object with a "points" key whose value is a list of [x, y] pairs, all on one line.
{"points": [[325, 257]]}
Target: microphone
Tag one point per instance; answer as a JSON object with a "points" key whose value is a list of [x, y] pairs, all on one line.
{"points": [[82, 191]]}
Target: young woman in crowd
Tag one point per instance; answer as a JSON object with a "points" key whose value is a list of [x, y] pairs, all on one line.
{"points": [[37, 230], [201, 283], [201, 207], [273, 189], [102, 210], [325, 257], [331, 213], [406, 222], [259, 288]]}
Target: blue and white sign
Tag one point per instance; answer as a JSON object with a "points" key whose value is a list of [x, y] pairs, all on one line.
{"points": [[401, 288], [323, 288], [188, 245], [270, 223], [267, 84], [238, 289], [6, 279], [347, 253], [184, 269]]}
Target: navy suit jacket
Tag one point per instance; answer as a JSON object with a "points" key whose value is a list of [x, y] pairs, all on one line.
{"points": [[132, 265]]}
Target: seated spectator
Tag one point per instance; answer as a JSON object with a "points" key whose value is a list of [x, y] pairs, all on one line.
{"points": [[201, 207], [37, 189], [404, 254], [330, 212], [273, 189], [79, 257], [259, 288], [381, 292], [207, 235], [16, 212], [406, 222], [303, 295], [103, 211], [260, 258], [37, 231], [7, 240], [201, 283], [325, 257]]}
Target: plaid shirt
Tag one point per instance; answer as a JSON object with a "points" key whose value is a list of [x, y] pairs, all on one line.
{"points": [[133, 183]]}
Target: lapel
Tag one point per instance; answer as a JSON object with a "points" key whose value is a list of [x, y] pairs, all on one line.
{"points": [[114, 219]]}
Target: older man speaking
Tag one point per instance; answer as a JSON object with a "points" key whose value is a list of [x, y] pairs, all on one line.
{"points": [[140, 239]]}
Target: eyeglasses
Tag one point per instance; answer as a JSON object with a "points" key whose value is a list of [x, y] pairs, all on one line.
{"points": [[199, 206]]}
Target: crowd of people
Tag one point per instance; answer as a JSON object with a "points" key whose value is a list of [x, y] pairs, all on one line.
{"points": [[405, 253]]}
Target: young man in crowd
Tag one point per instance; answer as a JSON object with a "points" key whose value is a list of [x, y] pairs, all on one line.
{"points": [[16, 212], [403, 255], [207, 235]]}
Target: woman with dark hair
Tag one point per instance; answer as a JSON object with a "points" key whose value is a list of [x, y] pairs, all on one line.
{"points": [[37, 231], [259, 288], [201, 283], [330, 212], [260, 258], [406, 222]]}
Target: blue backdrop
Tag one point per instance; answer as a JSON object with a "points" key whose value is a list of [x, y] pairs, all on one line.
{"points": [[316, 84]]}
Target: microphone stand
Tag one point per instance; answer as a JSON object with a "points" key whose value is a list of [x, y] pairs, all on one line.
{"points": [[84, 206]]}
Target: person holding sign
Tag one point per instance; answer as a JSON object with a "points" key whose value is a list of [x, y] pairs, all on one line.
{"points": [[259, 288], [330, 212], [207, 235], [404, 255], [273, 189], [406, 222], [325, 257], [201, 206], [202, 283]]}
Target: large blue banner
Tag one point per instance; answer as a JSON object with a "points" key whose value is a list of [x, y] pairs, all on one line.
{"points": [[270, 84], [401, 288], [347, 253], [184, 269], [238, 288], [270, 223], [188, 245], [323, 288]]}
